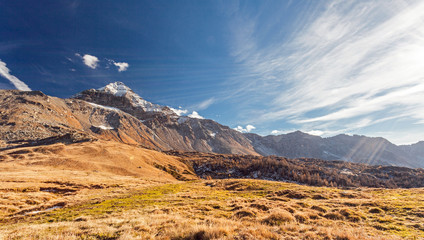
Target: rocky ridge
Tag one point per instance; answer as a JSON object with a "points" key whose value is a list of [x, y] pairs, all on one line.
{"points": [[115, 112]]}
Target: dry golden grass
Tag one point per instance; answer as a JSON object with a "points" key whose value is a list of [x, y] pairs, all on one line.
{"points": [[37, 178], [207, 210], [102, 202]]}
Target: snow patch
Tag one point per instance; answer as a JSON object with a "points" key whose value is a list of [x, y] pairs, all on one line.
{"points": [[347, 172], [212, 135], [104, 107], [182, 119], [137, 101], [104, 127]]}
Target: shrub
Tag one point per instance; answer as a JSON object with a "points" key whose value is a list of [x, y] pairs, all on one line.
{"points": [[279, 218], [375, 210], [302, 218], [319, 208], [260, 206], [334, 216], [204, 235], [244, 213]]}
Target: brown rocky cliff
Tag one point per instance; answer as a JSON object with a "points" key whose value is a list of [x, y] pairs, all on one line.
{"points": [[34, 115]]}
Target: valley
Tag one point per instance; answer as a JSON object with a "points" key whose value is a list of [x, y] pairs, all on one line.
{"points": [[102, 206], [75, 169]]}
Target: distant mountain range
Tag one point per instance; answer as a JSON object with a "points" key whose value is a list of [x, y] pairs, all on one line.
{"points": [[358, 149], [115, 112]]}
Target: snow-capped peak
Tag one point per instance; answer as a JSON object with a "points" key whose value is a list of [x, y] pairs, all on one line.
{"points": [[120, 89], [116, 88]]}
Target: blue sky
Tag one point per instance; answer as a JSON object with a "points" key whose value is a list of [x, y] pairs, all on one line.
{"points": [[269, 67]]}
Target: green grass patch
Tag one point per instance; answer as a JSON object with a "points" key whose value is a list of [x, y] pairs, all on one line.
{"points": [[151, 196]]}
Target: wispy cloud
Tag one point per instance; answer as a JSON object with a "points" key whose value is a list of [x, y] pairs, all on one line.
{"points": [[5, 72], [204, 104], [354, 63]]}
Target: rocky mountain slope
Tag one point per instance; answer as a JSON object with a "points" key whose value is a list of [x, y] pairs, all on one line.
{"points": [[27, 118], [170, 130], [115, 112]]}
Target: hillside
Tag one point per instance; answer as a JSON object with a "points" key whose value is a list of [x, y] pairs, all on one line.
{"points": [[97, 189], [34, 179], [115, 112], [72, 169], [308, 171]]}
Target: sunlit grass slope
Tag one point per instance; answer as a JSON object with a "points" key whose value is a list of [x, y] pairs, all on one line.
{"points": [[230, 209]]}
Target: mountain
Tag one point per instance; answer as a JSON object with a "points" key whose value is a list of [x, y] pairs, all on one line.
{"points": [[170, 130], [115, 112], [358, 149], [416, 151], [31, 117]]}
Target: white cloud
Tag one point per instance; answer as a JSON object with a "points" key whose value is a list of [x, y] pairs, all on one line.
{"points": [[179, 111], [315, 132], [247, 129], [277, 132], [122, 66], [93, 62], [310, 132], [352, 64], [89, 60], [250, 128], [194, 114], [5, 72]]}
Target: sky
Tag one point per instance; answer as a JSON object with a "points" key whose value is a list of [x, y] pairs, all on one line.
{"points": [[267, 67]]}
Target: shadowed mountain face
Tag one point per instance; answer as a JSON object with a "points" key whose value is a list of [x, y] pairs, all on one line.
{"points": [[115, 112], [359, 149]]}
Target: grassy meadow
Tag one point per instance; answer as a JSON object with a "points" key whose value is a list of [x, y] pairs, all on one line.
{"points": [[106, 190], [222, 209]]}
